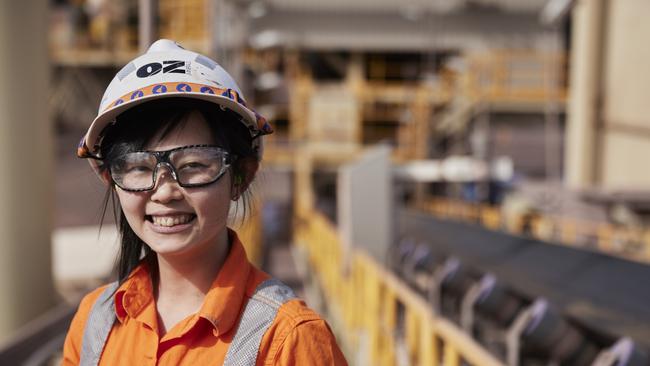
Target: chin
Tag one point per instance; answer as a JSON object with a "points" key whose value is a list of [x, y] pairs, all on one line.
{"points": [[166, 246], [177, 245]]}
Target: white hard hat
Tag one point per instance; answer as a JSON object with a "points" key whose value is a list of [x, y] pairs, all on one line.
{"points": [[168, 70]]}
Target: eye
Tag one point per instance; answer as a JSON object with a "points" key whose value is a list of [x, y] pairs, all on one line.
{"points": [[138, 169], [193, 165]]}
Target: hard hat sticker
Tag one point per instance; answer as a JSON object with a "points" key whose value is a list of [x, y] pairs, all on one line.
{"points": [[137, 94], [207, 89], [126, 70], [149, 69], [182, 87], [258, 124], [167, 67], [159, 89], [206, 62], [176, 67]]}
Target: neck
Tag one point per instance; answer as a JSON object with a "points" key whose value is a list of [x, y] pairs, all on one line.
{"points": [[184, 280]]}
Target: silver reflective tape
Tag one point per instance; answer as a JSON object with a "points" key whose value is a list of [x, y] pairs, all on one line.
{"points": [[205, 62], [126, 70], [98, 326], [259, 313]]}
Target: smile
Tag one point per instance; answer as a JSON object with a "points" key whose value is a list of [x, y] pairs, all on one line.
{"points": [[170, 220]]}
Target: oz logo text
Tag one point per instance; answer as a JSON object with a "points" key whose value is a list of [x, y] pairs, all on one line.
{"points": [[167, 67]]}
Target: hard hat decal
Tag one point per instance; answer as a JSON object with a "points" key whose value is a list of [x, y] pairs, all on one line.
{"points": [[177, 67], [207, 89], [126, 70], [205, 62], [159, 89], [149, 69], [137, 94], [232, 94], [226, 93], [182, 87], [167, 67]]}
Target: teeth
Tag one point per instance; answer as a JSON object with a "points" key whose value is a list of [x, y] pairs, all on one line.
{"points": [[171, 220]]}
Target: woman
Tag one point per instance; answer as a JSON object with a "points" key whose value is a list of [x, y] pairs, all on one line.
{"points": [[176, 142]]}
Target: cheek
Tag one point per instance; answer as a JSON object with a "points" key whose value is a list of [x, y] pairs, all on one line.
{"points": [[212, 205], [132, 205]]}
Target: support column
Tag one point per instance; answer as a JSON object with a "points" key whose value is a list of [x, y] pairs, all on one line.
{"points": [[147, 27], [582, 128], [26, 156]]}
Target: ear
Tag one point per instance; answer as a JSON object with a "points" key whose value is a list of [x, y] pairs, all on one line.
{"points": [[106, 176], [244, 175]]}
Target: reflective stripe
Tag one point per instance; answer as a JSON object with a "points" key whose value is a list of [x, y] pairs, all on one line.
{"points": [[98, 325], [258, 315]]}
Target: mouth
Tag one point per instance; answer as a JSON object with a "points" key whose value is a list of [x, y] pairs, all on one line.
{"points": [[170, 220]]}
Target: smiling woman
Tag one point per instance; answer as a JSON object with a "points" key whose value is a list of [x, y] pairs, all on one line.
{"points": [[176, 145], [174, 173]]}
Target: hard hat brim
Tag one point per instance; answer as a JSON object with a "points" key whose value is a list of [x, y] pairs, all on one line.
{"points": [[104, 119]]}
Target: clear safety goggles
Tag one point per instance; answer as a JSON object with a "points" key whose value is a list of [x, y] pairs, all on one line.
{"points": [[190, 166]]}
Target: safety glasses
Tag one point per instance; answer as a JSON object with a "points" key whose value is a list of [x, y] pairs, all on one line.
{"points": [[190, 166]]}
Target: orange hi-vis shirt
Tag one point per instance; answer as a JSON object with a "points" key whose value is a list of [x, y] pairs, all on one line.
{"points": [[297, 336]]}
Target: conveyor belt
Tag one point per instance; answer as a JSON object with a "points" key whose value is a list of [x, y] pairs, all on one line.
{"points": [[607, 294]]}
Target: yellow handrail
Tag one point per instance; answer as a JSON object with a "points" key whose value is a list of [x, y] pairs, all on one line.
{"points": [[517, 76], [370, 300]]}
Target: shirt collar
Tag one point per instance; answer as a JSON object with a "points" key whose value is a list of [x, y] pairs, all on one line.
{"points": [[222, 303], [224, 300], [135, 293]]}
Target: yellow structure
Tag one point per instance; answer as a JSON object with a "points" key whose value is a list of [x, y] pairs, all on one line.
{"points": [[366, 302], [629, 243]]}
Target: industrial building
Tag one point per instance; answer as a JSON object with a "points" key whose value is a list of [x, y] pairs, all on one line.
{"points": [[454, 182]]}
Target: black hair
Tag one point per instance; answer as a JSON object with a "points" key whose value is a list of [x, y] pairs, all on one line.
{"points": [[136, 127]]}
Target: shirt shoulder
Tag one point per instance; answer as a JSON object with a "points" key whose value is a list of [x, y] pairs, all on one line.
{"points": [[72, 345], [299, 336]]}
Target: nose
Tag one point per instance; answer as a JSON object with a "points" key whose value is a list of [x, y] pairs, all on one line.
{"points": [[166, 188]]}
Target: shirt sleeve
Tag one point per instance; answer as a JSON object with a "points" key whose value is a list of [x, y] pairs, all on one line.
{"points": [[72, 345], [310, 343]]}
